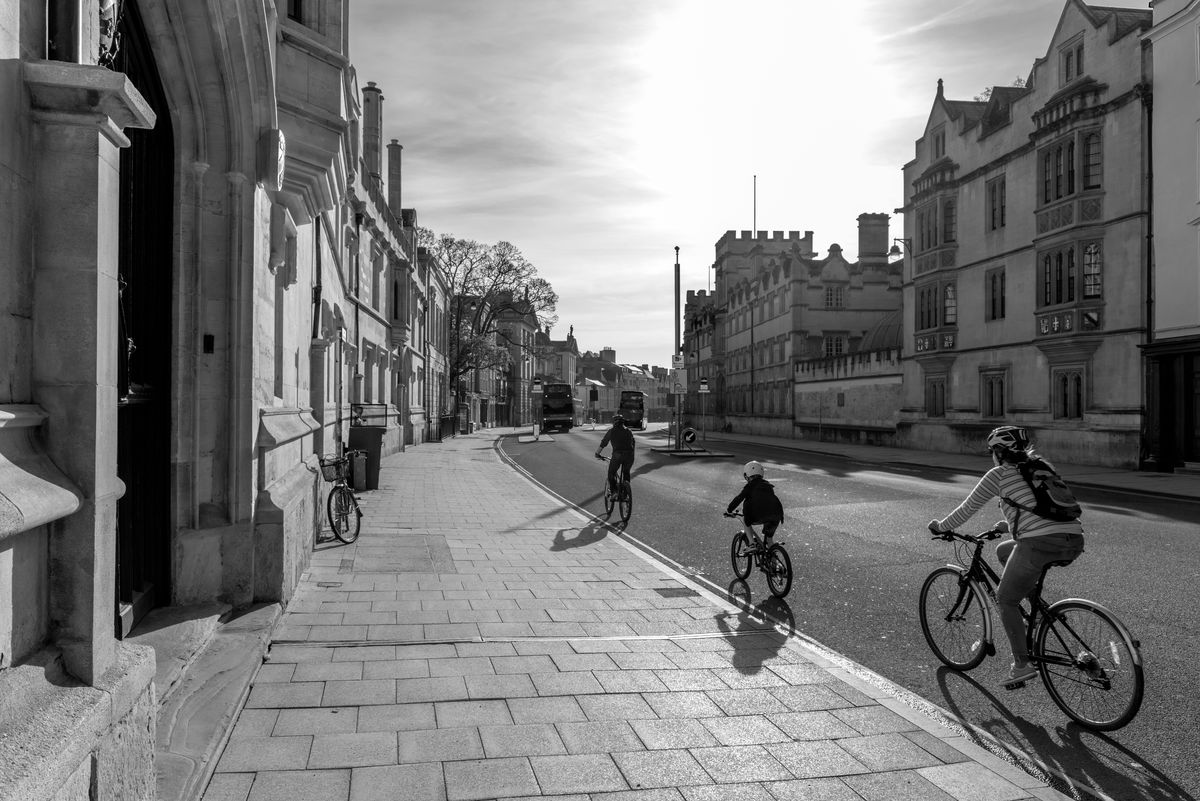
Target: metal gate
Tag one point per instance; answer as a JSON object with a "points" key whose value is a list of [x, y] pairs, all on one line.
{"points": [[144, 341]]}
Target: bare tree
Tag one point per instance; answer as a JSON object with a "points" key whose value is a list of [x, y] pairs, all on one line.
{"points": [[986, 94], [488, 283]]}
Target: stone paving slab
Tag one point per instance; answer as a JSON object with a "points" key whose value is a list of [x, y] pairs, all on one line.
{"points": [[481, 641]]}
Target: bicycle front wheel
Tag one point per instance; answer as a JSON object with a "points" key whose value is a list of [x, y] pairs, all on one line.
{"points": [[1090, 664], [740, 554], [344, 517], [609, 501], [779, 571], [625, 502], [954, 619]]}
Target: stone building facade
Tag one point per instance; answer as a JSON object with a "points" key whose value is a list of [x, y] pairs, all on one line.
{"points": [[779, 303], [1173, 347], [199, 253], [1026, 221]]}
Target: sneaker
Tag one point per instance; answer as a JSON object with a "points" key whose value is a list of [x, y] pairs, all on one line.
{"points": [[1019, 675]]}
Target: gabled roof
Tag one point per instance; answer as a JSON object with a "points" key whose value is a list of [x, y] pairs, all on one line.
{"points": [[1123, 20]]}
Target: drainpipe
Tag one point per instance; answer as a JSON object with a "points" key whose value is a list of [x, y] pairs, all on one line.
{"points": [[1151, 439], [316, 298]]}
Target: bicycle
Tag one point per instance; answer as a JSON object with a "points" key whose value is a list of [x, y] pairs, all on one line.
{"points": [[1090, 663], [345, 517], [622, 498], [747, 552]]}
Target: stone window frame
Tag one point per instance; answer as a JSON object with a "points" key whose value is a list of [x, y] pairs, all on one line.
{"points": [[993, 391], [1058, 276], [994, 291], [935, 395], [1070, 60], [1068, 391], [996, 203]]}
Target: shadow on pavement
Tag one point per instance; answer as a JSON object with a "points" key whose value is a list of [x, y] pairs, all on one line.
{"points": [[752, 630], [1120, 773], [594, 531]]}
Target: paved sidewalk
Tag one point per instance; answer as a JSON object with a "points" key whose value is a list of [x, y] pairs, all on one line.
{"points": [[482, 641]]}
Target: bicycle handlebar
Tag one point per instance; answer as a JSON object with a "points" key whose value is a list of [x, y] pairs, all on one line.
{"points": [[730, 514], [978, 539]]}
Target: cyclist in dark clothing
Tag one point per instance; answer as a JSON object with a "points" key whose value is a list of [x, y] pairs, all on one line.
{"points": [[621, 439], [761, 506]]}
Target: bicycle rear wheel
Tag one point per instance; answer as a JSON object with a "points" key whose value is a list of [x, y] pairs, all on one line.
{"points": [[740, 555], [1090, 664], [625, 501], [778, 567], [954, 619], [344, 516]]}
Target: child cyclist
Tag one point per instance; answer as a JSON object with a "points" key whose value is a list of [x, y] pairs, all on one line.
{"points": [[1036, 541], [760, 505]]}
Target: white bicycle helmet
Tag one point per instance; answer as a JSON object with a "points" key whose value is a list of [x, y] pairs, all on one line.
{"points": [[752, 469], [1008, 438]]}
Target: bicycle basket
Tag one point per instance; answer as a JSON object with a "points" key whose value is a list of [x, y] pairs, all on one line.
{"points": [[334, 468]]}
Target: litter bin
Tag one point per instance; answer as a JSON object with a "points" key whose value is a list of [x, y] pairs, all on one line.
{"points": [[367, 441], [358, 470]]}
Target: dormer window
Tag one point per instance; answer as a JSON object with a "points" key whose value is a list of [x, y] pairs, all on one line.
{"points": [[295, 10], [939, 143], [1071, 60]]}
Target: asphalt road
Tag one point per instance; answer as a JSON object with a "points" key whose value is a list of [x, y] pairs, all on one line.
{"points": [[856, 533]]}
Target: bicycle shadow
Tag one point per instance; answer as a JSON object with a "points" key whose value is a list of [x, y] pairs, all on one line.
{"points": [[1085, 764], [593, 532], [754, 630]]}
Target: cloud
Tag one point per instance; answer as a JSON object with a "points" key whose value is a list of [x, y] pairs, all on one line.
{"points": [[596, 136]]}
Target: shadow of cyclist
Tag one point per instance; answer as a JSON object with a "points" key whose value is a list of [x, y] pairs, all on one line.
{"points": [[1087, 764], [594, 531], [756, 631]]}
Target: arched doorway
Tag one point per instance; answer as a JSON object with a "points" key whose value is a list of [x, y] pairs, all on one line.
{"points": [[144, 431]]}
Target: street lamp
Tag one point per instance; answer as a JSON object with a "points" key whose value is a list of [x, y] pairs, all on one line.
{"points": [[896, 243]]}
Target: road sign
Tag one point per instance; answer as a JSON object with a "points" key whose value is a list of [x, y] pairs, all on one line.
{"points": [[536, 389], [703, 386], [677, 361]]}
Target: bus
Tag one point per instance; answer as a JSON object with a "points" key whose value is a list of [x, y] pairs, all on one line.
{"points": [[558, 407], [633, 408]]}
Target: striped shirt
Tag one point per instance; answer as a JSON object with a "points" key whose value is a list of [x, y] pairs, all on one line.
{"points": [[1005, 481]]}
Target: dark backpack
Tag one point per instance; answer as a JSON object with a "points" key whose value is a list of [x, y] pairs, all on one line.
{"points": [[1053, 498]]}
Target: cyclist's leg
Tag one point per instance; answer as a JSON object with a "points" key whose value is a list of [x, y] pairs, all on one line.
{"points": [[1022, 567], [768, 530], [613, 464], [626, 465]]}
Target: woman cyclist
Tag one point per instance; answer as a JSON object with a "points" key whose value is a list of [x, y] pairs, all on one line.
{"points": [[1036, 541]]}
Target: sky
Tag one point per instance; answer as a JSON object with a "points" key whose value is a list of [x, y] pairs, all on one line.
{"points": [[599, 135]]}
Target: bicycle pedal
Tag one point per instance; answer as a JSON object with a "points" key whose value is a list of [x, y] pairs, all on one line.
{"points": [[1015, 685]]}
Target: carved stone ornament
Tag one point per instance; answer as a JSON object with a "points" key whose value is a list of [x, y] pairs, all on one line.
{"points": [[110, 38], [283, 244]]}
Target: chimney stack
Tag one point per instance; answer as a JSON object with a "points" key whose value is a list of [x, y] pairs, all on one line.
{"points": [[394, 152], [873, 238], [373, 131]]}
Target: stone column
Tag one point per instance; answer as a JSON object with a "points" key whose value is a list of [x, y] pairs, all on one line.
{"points": [[79, 114]]}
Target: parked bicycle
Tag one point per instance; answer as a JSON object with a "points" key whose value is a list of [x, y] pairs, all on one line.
{"points": [[622, 498], [342, 506], [1089, 662], [747, 552]]}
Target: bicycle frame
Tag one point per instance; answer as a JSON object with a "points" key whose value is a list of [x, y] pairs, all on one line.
{"points": [[981, 572]]}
